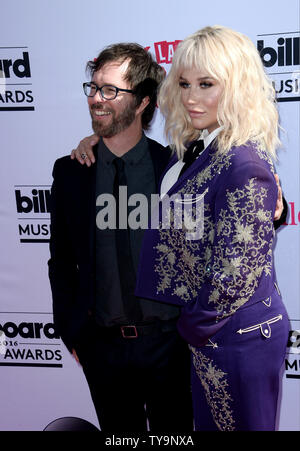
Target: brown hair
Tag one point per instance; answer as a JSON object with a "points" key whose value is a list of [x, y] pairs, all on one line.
{"points": [[143, 74]]}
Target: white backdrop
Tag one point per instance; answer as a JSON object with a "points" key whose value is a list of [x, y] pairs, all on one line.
{"points": [[44, 46]]}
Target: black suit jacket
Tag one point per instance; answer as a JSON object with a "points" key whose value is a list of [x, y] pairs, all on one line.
{"points": [[72, 241]]}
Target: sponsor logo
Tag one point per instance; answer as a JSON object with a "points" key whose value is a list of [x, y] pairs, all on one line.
{"points": [[15, 80], [32, 204], [293, 215], [30, 341], [292, 362], [164, 52], [280, 53]]}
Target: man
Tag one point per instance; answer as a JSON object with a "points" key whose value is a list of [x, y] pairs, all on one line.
{"points": [[135, 363]]}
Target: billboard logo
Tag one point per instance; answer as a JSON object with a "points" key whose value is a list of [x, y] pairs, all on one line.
{"points": [[294, 342], [33, 209], [20, 67], [37, 202], [29, 342], [280, 54], [2, 342], [15, 80], [287, 52], [292, 362]]}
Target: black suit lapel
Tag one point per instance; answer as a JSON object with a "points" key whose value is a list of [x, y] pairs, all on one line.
{"points": [[92, 197], [160, 157], [85, 193]]}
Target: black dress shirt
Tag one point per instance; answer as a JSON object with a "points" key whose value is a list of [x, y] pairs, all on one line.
{"points": [[109, 308]]}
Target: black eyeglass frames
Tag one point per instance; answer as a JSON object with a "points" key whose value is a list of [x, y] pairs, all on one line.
{"points": [[108, 92]]}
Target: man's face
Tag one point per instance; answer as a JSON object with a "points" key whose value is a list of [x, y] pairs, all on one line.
{"points": [[111, 117]]}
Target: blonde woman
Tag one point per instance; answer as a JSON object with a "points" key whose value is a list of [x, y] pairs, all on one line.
{"points": [[222, 122]]}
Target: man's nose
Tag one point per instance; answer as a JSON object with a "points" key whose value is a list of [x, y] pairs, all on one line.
{"points": [[98, 97]]}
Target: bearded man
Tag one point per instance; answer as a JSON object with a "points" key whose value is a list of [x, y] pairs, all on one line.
{"points": [[135, 363]]}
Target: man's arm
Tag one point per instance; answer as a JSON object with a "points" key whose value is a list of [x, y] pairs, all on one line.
{"points": [[85, 155], [281, 207], [63, 271]]}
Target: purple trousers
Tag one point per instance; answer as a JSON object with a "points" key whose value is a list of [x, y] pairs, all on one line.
{"points": [[236, 375]]}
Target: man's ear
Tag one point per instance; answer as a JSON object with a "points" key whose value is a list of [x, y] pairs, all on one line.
{"points": [[144, 103], [145, 92]]}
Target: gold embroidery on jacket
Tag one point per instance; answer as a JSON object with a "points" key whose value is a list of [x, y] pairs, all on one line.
{"points": [[264, 156], [218, 163], [215, 386], [232, 255], [243, 252], [179, 262]]}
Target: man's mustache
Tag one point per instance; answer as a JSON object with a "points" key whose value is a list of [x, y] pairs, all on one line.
{"points": [[99, 106]]}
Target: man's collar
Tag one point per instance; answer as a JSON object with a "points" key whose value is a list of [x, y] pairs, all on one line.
{"points": [[132, 157]]}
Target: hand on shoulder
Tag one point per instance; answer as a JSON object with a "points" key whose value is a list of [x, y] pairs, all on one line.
{"points": [[84, 152]]}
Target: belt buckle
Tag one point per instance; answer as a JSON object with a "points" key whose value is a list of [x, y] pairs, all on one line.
{"points": [[131, 328]]}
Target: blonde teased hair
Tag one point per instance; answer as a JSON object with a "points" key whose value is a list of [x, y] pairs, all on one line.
{"points": [[247, 108]]}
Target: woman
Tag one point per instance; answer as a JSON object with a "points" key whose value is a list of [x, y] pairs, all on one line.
{"points": [[222, 274]]}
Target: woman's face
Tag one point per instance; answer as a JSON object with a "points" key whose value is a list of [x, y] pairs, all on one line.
{"points": [[200, 96]]}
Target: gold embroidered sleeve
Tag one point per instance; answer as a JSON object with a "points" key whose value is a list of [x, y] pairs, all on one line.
{"points": [[242, 250]]}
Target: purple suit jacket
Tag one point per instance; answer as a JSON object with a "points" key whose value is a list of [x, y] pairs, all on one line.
{"points": [[212, 253]]}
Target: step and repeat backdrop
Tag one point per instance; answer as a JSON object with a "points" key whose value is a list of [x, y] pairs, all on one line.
{"points": [[44, 47]]}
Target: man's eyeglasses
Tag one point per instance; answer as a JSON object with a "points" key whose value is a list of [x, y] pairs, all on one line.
{"points": [[108, 92]]}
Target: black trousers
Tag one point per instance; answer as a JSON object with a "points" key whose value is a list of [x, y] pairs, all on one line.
{"points": [[138, 384]]}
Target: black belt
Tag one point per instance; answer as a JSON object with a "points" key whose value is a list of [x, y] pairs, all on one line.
{"points": [[134, 331]]}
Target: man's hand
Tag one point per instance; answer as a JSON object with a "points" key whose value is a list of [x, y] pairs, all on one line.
{"points": [[84, 152], [279, 203]]}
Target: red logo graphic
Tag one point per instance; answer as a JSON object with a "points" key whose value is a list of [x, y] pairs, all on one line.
{"points": [[164, 51], [294, 218]]}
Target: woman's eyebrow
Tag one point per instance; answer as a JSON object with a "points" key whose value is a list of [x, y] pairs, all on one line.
{"points": [[207, 77]]}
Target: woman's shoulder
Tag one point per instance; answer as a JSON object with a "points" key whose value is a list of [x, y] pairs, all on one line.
{"points": [[250, 154]]}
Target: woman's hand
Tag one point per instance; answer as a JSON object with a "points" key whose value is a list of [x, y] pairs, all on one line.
{"points": [[84, 152]]}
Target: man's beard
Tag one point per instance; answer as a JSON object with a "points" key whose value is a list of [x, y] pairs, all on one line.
{"points": [[117, 125]]}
